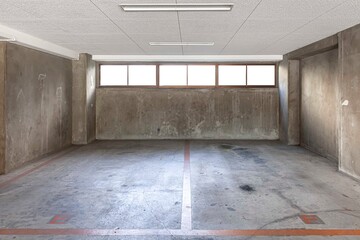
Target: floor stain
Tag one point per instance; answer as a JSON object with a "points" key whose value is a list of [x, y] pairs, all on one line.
{"points": [[226, 146], [247, 188], [231, 209]]}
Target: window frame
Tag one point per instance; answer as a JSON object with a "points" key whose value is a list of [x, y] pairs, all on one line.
{"points": [[157, 64]]}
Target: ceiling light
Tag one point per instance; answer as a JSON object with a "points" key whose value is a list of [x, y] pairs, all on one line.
{"points": [[171, 7], [181, 43]]}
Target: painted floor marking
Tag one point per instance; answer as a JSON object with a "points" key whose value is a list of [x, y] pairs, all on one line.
{"points": [[311, 219], [60, 219], [186, 219], [33, 169]]}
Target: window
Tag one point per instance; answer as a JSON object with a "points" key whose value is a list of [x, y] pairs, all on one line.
{"points": [[142, 75], [173, 75], [232, 75], [124, 75], [113, 75], [193, 75], [201, 75], [261, 75]]}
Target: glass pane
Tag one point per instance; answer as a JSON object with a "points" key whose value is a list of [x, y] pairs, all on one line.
{"points": [[232, 75], [173, 75], [142, 75], [201, 75], [113, 75], [261, 75]]}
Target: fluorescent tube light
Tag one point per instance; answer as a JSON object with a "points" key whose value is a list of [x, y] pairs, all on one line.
{"points": [[181, 43], [171, 7]]}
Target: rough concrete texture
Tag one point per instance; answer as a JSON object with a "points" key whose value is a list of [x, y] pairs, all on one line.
{"points": [[289, 95], [187, 113], [2, 106], [350, 110], [38, 104], [139, 185], [319, 102], [324, 45], [294, 103], [283, 99], [83, 100]]}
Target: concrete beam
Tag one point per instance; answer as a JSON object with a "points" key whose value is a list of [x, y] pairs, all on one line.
{"points": [[36, 43], [321, 46]]}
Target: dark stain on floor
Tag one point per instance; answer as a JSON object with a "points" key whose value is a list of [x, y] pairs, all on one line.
{"points": [[226, 146], [247, 188]]}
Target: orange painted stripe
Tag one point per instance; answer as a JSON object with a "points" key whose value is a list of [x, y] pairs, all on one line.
{"points": [[178, 232], [31, 170], [186, 200]]}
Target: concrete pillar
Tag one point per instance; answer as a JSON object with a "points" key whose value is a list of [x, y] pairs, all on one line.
{"points": [[2, 106], [83, 100], [289, 90], [294, 103]]}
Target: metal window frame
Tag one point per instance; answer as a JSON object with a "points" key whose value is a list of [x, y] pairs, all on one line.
{"points": [[157, 86]]}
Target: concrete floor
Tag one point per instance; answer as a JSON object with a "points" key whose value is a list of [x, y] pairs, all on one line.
{"points": [[139, 189]]}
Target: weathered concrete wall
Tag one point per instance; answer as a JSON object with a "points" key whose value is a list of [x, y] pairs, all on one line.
{"points": [[349, 46], [319, 77], [83, 100], [38, 104], [2, 106], [187, 113]]}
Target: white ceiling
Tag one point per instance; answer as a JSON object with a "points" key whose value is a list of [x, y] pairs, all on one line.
{"points": [[253, 27]]}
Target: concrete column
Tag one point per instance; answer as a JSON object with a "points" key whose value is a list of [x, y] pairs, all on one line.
{"points": [[294, 103], [2, 106], [83, 100], [289, 90]]}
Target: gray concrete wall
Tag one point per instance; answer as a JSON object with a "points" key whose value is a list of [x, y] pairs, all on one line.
{"points": [[83, 100], [2, 106], [38, 104], [319, 76], [124, 113], [349, 59]]}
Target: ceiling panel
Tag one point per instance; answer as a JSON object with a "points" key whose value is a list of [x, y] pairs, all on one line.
{"points": [[252, 27]]}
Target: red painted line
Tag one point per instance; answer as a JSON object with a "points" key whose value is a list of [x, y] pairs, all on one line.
{"points": [[31, 170], [60, 219], [178, 232], [186, 218]]}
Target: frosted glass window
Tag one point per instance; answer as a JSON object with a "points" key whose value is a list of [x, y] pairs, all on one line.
{"points": [[201, 75], [261, 75], [142, 75], [113, 75], [232, 75], [173, 75]]}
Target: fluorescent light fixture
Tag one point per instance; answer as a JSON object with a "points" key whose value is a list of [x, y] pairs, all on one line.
{"points": [[175, 7], [7, 40], [181, 43]]}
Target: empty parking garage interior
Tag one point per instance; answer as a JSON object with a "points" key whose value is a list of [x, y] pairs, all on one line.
{"points": [[177, 119]]}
